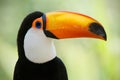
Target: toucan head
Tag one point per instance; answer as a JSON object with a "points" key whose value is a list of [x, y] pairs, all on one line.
{"points": [[37, 30], [63, 24]]}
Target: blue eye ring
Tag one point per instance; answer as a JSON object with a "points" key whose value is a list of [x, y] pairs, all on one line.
{"points": [[38, 25]]}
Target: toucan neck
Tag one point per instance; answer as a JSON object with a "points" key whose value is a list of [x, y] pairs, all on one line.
{"points": [[38, 48]]}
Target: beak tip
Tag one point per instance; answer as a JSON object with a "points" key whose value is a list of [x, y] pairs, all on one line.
{"points": [[105, 38], [97, 29]]}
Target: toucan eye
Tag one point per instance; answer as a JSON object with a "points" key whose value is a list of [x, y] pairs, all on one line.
{"points": [[38, 25]]}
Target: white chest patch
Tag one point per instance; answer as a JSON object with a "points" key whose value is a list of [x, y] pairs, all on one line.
{"points": [[38, 48]]}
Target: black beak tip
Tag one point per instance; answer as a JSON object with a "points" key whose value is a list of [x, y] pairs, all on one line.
{"points": [[105, 38], [98, 30]]}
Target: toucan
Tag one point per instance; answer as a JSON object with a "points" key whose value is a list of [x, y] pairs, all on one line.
{"points": [[37, 59]]}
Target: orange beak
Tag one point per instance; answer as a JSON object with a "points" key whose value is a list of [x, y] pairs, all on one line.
{"points": [[73, 25], [62, 25]]}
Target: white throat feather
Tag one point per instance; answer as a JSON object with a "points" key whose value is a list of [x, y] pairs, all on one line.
{"points": [[38, 48]]}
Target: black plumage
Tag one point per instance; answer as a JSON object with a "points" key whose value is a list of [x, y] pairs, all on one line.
{"points": [[52, 70]]}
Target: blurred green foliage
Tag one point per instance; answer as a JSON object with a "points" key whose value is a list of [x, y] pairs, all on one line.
{"points": [[85, 59]]}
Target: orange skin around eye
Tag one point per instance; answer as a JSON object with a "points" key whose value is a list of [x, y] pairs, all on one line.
{"points": [[37, 20]]}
